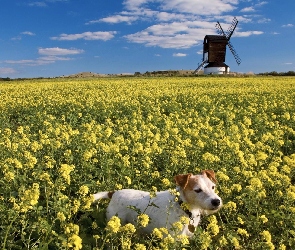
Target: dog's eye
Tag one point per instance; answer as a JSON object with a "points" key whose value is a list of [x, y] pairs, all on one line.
{"points": [[213, 187], [198, 190]]}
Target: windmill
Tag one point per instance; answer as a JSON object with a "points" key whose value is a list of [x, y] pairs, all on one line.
{"points": [[214, 50]]}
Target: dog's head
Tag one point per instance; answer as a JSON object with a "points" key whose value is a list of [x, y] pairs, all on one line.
{"points": [[199, 190]]}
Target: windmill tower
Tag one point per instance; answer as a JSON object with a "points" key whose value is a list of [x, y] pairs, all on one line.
{"points": [[214, 50]]}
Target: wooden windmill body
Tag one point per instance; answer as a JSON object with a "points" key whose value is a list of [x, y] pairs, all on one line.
{"points": [[214, 51]]}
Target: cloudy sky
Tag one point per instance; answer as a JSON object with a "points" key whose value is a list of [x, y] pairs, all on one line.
{"points": [[47, 38]]}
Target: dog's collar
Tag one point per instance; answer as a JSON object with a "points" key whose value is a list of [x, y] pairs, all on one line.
{"points": [[189, 213], [191, 226]]}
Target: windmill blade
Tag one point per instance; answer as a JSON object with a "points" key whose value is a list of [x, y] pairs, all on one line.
{"points": [[231, 28], [236, 56], [200, 66], [219, 29]]}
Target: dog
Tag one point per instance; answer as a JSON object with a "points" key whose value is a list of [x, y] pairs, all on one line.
{"points": [[196, 197]]}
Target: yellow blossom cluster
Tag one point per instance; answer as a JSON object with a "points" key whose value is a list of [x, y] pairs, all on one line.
{"points": [[62, 140]]}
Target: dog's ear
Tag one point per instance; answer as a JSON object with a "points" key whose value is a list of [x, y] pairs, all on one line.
{"points": [[182, 180], [210, 174]]}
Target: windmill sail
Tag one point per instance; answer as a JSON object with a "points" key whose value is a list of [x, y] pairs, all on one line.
{"points": [[236, 56], [228, 35], [231, 28], [200, 66]]}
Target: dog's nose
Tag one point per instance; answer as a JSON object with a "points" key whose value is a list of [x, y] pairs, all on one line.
{"points": [[215, 202]]}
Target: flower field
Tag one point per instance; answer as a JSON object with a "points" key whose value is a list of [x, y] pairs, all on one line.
{"points": [[63, 140]]}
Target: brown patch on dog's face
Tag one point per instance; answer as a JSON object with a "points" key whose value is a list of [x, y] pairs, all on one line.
{"points": [[193, 180], [182, 180], [210, 174]]}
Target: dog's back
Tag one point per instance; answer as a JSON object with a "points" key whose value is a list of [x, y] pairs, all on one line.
{"points": [[127, 204]]}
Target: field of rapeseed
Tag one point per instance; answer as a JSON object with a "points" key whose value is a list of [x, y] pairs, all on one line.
{"points": [[62, 140]]}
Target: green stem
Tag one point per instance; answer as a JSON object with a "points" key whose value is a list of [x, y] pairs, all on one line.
{"points": [[8, 229]]}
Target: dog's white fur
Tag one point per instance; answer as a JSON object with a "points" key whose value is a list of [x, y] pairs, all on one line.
{"points": [[198, 191]]}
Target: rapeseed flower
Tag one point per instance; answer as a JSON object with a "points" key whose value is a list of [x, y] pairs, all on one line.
{"points": [[75, 242], [143, 220], [128, 228], [213, 227], [113, 224], [139, 247], [65, 171], [157, 233]]}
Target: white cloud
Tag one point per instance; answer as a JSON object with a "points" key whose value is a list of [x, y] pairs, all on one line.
{"points": [[247, 33], [38, 4], [288, 63], [264, 20], [99, 35], [29, 33], [39, 61], [116, 19], [44, 3], [174, 35], [59, 51], [7, 71], [248, 9], [48, 55], [254, 7], [289, 25], [177, 23], [179, 54], [200, 7], [16, 38]]}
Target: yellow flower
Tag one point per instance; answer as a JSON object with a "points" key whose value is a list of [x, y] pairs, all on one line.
{"points": [[240, 220], [222, 176], [210, 157], [168, 240], [242, 232], [65, 171], [255, 183], [166, 182], [83, 190], [266, 235], [205, 240], [261, 156], [235, 242], [223, 241], [157, 233], [113, 224], [212, 227], [61, 216], [183, 239], [139, 247], [126, 243], [231, 206], [178, 226], [75, 242], [128, 228], [128, 179], [263, 218], [143, 220]]}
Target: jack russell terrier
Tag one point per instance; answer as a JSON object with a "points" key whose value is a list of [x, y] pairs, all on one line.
{"points": [[196, 197]]}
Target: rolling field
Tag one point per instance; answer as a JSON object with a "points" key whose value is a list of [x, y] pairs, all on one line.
{"points": [[63, 140]]}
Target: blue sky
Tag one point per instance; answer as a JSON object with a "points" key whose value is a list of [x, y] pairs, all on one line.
{"points": [[48, 38]]}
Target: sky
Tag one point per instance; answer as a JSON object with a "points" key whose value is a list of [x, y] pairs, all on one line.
{"points": [[50, 38]]}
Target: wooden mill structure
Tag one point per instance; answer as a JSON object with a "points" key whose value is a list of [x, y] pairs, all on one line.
{"points": [[214, 50]]}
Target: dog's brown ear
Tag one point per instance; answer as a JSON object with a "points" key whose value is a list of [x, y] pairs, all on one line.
{"points": [[182, 180], [210, 174]]}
